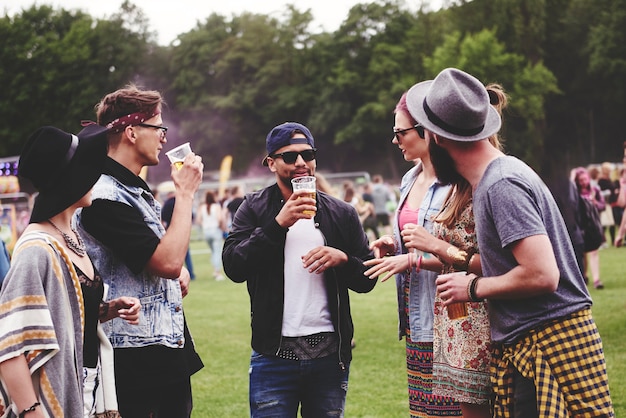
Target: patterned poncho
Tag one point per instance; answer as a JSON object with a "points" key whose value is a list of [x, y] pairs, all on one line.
{"points": [[41, 317]]}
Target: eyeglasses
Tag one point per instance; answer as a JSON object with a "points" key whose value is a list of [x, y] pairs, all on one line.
{"points": [[397, 133], [162, 128], [290, 157]]}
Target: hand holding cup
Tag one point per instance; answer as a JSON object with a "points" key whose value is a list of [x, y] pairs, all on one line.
{"points": [[305, 183], [177, 155]]}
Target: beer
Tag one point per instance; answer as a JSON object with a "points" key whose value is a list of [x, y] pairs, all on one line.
{"points": [[457, 310], [178, 154], [312, 196], [305, 183]]}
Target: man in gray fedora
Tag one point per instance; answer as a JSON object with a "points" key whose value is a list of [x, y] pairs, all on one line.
{"points": [[548, 358]]}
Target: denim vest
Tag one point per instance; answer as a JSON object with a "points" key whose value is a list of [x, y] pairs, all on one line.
{"points": [[161, 319], [422, 284]]}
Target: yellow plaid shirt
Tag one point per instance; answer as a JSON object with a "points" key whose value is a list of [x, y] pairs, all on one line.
{"points": [[565, 360]]}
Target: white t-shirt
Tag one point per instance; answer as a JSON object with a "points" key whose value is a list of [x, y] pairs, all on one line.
{"points": [[306, 304], [211, 219]]}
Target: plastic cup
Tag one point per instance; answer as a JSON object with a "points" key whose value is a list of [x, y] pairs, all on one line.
{"points": [[457, 310], [305, 183], [177, 155]]}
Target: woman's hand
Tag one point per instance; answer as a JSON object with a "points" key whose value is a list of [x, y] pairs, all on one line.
{"points": [[387, 266], [125, 307], [415, 236], [128, 309], [383, 246]]}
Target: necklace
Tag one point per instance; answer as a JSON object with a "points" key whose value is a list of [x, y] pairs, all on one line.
{"points": [[77, 247]]}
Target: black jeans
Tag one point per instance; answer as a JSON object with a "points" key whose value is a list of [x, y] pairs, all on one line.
{"points": [[166, 401], [524, 397]]}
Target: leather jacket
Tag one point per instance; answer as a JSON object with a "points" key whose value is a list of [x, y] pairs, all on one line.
{"points": [[254, 253]]}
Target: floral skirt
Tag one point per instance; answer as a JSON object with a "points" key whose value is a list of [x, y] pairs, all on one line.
{"points": [[462, 354]]}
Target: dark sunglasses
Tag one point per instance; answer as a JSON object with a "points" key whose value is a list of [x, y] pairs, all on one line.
{"points": [[290, 157], [162, 128], [397, 133]]}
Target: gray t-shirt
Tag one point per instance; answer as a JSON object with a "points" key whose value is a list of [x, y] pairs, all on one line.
{"points": [[511, 203]]}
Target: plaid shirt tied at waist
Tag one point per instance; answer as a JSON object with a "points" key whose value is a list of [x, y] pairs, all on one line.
{"points": [[565, 360]]}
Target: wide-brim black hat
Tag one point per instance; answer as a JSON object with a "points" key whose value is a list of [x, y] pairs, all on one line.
{"points": [[62, 167]]}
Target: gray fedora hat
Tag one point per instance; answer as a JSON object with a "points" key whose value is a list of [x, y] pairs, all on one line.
{"points": [[455, 105]]}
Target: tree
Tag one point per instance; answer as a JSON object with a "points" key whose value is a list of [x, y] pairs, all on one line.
{"points": [[57, 65]]}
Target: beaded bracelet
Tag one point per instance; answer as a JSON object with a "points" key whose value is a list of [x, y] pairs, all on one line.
{"points": [[471, 290], [29, 409]]}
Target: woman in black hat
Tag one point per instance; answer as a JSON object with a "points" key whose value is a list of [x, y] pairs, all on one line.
{"points": [[51, 346]]}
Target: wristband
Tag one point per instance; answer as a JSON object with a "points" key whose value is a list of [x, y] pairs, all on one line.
{"points": [[470, 257], [29, 409], [459, 257], [471, 290], [419, 263]]}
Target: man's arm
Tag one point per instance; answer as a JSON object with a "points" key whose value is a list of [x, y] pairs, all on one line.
{"points": [[169, 256], [536, 273]]}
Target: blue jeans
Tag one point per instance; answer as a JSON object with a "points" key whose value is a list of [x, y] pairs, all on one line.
{"points": [[279, 386]]}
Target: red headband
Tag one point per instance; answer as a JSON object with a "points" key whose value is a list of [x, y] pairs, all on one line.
{"points": [[119, 124]]}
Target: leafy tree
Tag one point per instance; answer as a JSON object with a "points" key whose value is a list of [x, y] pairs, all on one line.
{"points": [[57, 65]]}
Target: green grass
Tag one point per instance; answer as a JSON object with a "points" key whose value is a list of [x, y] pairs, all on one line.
{"points": [[218, 315]]}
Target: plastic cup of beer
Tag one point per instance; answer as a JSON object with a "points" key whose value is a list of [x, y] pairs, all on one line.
{"points": [[457, 310], [305, 183], [177, 155]]}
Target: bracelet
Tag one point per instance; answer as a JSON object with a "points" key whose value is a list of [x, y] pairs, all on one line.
{"points": [[471, 290], [419, 263], [469, 261], [459, 257], [29, 409]]}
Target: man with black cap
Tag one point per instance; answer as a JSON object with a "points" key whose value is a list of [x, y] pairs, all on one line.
{"points": [[299, 257], [548, 359]]}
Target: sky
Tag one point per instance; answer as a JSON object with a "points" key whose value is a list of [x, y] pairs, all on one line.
{"points": [[170, 18]]}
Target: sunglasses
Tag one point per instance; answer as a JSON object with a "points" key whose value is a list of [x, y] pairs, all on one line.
{"points": [[162, 128], [397, 133], [290, 157]]}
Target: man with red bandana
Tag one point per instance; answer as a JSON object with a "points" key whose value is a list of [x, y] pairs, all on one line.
{"points": [[136, 256]]}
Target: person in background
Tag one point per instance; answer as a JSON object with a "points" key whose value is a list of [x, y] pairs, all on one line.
{"points": [[124, 236], [236, 198], [299, 256], [547, 359], [612, 214], [421, 198], [322, 184], [569, 202], [382, 197], [621, 202], [211, 219], [370, 222], [166, 217], [593, 194], [5, 261], [55, 360]]}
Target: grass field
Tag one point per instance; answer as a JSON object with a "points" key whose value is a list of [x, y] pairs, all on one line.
{"points": [[218, 315]]}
